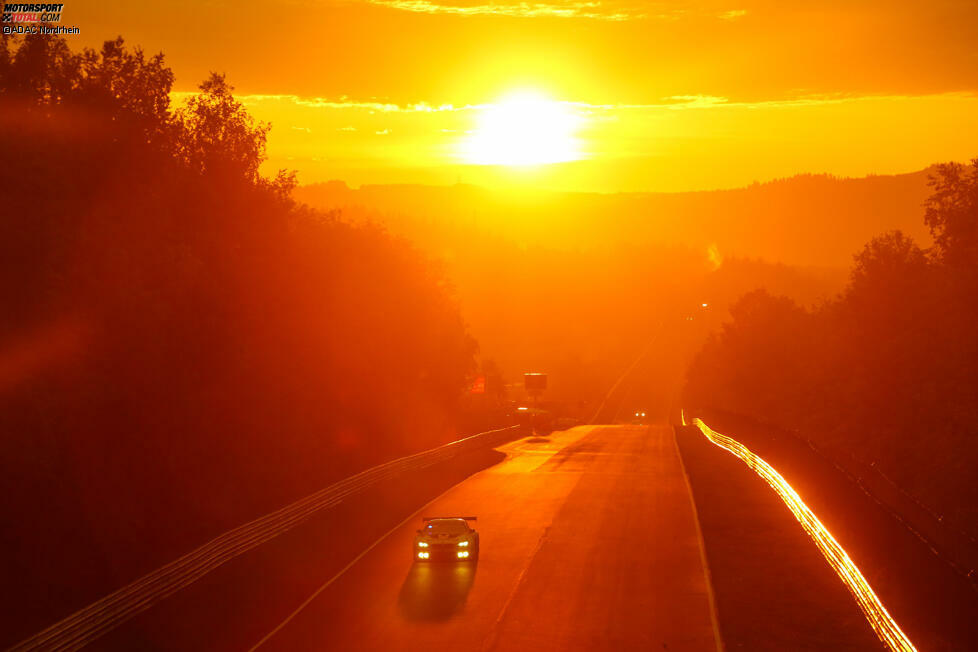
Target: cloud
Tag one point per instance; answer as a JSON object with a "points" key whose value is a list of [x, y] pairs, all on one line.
{"points": [[342, 103], [620, 10], [696, 101], [675, 102], [733, 14], [374, 106], [614, 11]]}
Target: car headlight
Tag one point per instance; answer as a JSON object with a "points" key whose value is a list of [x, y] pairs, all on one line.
{"points": [[422, 544], [462, 544]]}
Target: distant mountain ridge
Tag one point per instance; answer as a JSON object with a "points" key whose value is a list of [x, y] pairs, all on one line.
{"points": [[809, 219]]}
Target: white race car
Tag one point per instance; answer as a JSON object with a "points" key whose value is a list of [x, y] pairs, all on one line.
{"points": [[446, 538]]}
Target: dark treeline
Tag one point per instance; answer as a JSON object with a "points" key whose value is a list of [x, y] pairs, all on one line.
{"points": [[182, 347], [887, 371]]}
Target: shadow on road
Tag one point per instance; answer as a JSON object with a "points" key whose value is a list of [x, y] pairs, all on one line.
{"points": [[537, 440], [436, 591]]}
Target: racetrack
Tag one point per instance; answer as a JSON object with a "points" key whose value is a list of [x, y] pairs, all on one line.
{"points": [[588, 540]]}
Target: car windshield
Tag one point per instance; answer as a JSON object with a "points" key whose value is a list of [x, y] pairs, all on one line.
{"points": [[447, 526]]}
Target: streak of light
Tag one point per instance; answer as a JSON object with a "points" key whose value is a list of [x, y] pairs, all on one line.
{"points": [[879, 619]]}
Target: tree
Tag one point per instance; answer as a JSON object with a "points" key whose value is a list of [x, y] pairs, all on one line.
{"points": [[952, 215], [217, 134], [889, 280], [127, 87], [195, 331], [5, 58], [760, 360], [40, 72]]}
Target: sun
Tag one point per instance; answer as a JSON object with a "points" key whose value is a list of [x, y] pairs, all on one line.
{"points": [[523, 129]]}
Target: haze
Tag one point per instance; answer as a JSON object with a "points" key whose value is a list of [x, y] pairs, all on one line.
{"points": [[503, 326]]}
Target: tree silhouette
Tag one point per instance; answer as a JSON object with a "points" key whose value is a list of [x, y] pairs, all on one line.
{"points": [[887, 371], [952, 214], [217, 134], [192, 348]]}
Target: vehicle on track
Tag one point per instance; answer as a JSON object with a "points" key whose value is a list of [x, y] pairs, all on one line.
{"points": [[447, 538], [534, 421]]}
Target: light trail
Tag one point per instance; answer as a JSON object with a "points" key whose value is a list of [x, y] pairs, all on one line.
{"points": [[879, 619]]}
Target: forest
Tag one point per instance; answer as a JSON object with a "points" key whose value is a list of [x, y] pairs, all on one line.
{"points": [[184, 346], [885, 372]]}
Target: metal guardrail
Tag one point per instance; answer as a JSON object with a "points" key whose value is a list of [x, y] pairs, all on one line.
{"points": [[946, 539], [879, 619], [87, 624], [952, 545]]}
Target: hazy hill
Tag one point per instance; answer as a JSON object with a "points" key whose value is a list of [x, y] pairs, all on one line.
{"points": [[804, 220], [576, 283]]}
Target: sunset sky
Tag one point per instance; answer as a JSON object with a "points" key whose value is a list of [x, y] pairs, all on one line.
{"points": [[605, 96]]}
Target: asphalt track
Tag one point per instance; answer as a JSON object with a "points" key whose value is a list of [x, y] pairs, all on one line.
{"points": [[589, 541]]}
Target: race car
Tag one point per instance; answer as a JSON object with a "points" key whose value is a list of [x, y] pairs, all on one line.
{"points": [[446, 538]]}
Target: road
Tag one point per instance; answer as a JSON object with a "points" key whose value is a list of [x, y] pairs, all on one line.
{"points": [[589, 540]]}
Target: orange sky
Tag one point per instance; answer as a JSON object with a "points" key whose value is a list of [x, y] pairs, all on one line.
{"points": [[663, 96]]}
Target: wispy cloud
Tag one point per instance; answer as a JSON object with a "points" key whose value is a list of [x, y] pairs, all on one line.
{"points": [[694, 101], [733, 14], [376, 106], [677, 102], [610, 10], [345, 103], [614, 11]]}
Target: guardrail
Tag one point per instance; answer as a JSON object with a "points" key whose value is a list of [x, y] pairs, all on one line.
{"points": [[952, 545], [86, 625], [879, 619], [945, 538]]}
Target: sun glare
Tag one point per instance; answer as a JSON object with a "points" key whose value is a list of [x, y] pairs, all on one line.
{"points": [[523, 129]]}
